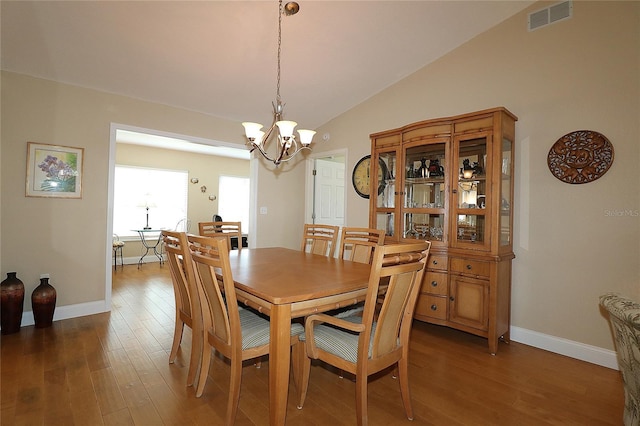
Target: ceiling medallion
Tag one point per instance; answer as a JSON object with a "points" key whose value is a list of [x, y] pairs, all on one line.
{"points": [[580, 157]]}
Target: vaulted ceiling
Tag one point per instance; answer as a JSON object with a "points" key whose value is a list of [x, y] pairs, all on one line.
{"points": [[219, 57]]}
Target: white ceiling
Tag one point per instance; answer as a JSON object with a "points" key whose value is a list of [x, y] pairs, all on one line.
{"points": [[219, 57]]}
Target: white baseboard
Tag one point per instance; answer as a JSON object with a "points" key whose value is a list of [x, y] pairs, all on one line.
{"points": [[577, 350], [70, 311], [134, 260], [558, 345]]}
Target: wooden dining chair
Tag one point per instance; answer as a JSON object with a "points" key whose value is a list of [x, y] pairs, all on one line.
{"points": [[229, 230], [320, 239], [188, 307], [358, 245], [364, 345], [237, 334]]}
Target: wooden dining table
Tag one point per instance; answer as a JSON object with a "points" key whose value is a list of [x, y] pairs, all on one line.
{"points": [[287, 284]]}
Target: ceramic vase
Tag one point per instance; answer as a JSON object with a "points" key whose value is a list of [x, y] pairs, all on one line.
{"points": [[43, 302], [12, 302]]}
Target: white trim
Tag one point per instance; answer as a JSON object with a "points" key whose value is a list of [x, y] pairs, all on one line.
{"points": [[71, 311], [558, 345]]}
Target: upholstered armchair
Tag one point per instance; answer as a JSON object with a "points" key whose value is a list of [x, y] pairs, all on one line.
{"points": [[624, 315]]}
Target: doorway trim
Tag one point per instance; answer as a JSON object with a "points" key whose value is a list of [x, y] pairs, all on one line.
{"points": [[113, 130]]}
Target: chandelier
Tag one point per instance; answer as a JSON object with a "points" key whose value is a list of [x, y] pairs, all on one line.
{"points": [[287, 143]]}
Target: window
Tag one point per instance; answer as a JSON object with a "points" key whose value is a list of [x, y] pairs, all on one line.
{"points": [[233, 200], [135, 188]]}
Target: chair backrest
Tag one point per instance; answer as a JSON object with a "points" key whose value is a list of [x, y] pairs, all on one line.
{"points": [[214, 280], [624, 316], [222, 229], [358, 244], [182, 276], [320, 239], [183, 225], [403, 265]]}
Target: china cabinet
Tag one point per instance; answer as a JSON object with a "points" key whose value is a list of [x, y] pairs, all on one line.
{"points": [[450, 181]]}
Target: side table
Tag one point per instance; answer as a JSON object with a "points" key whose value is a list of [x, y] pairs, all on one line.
{"points": [[150, 242]]}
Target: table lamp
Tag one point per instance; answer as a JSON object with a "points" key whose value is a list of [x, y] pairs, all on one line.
{"points": [[148, 202]]}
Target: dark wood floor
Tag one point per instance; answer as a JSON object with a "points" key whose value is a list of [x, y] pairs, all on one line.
{"points": [[113, 369]]}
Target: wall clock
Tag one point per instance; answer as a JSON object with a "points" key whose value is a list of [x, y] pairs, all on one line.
{"points": [[361, 176]]}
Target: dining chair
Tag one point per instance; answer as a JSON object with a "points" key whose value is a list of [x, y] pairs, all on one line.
{"points": [[624, 317], [229, 230], [358, 245], [364, 345], [118, 246], [237, 334], [320, 239], [188, 307]]}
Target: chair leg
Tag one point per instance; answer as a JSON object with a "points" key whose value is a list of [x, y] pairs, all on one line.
{"points": [[361, 400], [196, 352], [234, 390], [204, 368], [403, 376], [177, 338], [301, 371]]}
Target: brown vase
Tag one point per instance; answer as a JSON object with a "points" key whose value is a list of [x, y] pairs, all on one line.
{"points": [[43, 302], [12, 302]]}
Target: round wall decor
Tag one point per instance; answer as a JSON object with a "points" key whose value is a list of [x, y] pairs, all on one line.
{"points": [[580, 157]]}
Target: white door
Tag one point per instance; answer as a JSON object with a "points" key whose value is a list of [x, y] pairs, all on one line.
{"points": [[328, 205]]}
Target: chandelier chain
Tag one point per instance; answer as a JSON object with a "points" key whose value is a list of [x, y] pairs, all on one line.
{"points": [[278, 101]]}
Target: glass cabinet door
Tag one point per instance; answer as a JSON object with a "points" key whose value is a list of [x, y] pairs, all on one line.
{"points": [[384, 166], [506, 191], [471, 190], [424, 194]]}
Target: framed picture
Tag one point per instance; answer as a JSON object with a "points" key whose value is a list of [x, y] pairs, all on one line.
{"points": [[54, 171]]}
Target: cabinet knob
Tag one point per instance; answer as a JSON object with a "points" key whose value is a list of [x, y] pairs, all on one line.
{"points": [[434, 283], [434, 308], [452, 298], [435, 262], [469, 267]]}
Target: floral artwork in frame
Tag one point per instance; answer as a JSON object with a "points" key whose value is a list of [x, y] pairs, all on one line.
{"points": [[54, 171]]}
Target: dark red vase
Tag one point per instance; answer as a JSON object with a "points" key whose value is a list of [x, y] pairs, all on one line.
{"points": [[11, 303], [43, 302]]}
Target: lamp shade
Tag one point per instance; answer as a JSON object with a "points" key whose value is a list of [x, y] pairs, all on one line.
{"points": [[259, 136], [306, 136], [252, 129], [286, 128]]}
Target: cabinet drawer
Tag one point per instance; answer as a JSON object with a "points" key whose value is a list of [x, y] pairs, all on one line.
{"points": [[435, 283], [476, 268], [437, 261], [432, 306]]}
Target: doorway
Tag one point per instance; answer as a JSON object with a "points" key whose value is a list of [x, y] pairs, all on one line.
{"points": [[325, 194], [120, 133]]}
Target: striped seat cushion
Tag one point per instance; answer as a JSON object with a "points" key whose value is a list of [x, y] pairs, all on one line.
{"points": [[340, 342], [255, 329]]}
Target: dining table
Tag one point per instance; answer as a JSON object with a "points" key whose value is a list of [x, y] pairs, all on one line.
{"points": [[286, 284]]}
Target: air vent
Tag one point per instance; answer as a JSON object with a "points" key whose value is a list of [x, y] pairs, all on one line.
{"points": [[551, 14]]}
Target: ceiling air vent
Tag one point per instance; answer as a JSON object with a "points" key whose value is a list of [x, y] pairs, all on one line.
{"points": [[551, 14]]}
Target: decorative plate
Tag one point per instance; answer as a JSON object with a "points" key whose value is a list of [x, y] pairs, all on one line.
{"points": [[580, 157]]}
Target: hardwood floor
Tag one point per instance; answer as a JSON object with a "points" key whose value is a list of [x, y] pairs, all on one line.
{"points": [[113, 369]]}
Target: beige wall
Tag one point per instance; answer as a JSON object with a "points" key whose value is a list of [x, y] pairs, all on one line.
{"points": [[570, 245], [583, 73], [206, 168]]}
